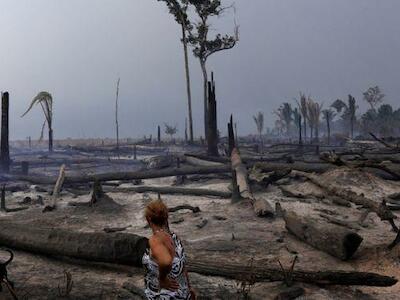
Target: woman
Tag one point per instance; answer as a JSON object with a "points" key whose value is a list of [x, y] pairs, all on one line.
{"points": [[166, 277]]}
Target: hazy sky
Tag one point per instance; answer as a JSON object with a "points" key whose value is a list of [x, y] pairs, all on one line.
{"points": [[77, 49]]}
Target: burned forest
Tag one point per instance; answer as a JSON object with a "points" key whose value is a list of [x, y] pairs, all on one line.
{"points": [[297, 198]]}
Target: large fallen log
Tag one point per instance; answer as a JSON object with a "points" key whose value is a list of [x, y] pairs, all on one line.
{"points": [[333, 239], [78, 161], [173, 190], [268, 273], [381, 210], [261, 206], [119, 248], [145, 174], [122, 249]]}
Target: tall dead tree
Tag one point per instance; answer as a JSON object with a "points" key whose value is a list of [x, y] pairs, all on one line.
{"points": [[5, 150], [116, 115], [212, 137], [159, 134], [231, 136]]}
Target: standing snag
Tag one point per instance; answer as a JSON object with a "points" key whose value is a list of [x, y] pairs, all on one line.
{"points": [[5, 149]]}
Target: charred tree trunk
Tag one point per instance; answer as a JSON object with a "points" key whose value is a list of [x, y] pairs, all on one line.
{"points": [[332, 239], [50, 140], [205, 81], [231, 136], [212, 138], [300, 137], [159, 134], [5, 150], [328, 126], [116, 116]]}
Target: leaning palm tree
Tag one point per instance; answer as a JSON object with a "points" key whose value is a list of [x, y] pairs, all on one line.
{"points": [[46, 102], [259, 120]]}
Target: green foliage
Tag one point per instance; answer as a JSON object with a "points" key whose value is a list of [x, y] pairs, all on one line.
{"points": [[373, 96], [203, 47], [384, 121]]}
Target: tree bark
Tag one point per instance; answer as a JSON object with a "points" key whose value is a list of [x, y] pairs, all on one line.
{"points": [[332, 239], [5, 150]]}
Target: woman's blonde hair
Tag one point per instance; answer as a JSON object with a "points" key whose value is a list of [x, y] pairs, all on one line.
{"points": [[157, 212]]}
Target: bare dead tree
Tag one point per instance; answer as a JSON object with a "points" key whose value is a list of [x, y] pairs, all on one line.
{"points": [[116, 115]]}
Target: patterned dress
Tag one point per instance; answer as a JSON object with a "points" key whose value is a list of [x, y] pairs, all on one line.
{"points": [[152, 290]]}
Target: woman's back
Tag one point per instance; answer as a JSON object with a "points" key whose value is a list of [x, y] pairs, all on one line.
{"points": [[177, 273]]}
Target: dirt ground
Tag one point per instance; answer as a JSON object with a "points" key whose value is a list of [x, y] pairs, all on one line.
{"points": [[232, 233]]}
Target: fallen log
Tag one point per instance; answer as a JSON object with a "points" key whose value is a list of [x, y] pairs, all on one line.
{"points": [[381, 210], [120, 248], [333, 239], [173, 190], [261, 206], [115, 229], [195, 161], [267, 273], [194, 209], [298, 166], [144, 174], [383, 142], [322, 167]]}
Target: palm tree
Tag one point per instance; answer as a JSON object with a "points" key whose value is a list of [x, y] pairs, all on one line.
{"points": [[297, 122], [259, 120], [302, 104], [328, 115], [285, 114], [349, 111], [46, 102], [314, 113]]}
